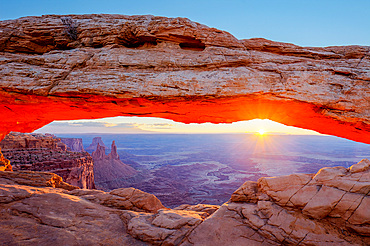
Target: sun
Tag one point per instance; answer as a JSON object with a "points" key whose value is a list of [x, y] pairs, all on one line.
{"points": [[261, 132]]}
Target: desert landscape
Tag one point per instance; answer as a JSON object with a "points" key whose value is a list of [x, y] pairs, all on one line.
{"points": [[238, 189], [208, 168]]}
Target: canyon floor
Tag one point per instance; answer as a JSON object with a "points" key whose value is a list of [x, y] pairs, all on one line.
{"points": [[208, 168]]}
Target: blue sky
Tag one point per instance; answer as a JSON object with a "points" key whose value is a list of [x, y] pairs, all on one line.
{"points": [[302, 22]]}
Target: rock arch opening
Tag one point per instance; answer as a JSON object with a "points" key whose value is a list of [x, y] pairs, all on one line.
{"points": [[182, 168], [27, 112]]}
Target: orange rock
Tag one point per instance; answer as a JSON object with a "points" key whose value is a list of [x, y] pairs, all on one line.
{"points": [[4, 163], [133, 217], [36, 179]]}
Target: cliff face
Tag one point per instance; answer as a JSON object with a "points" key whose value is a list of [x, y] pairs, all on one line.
{"points": [[37, 152], [327, 208], [73, 144], [94, 66], [30, 141], [109, 169]]}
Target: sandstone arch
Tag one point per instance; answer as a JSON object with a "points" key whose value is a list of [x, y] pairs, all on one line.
{"points": [[178, 69]]}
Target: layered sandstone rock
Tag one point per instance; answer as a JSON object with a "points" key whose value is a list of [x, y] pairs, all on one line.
{"points": [[328, 208], [109, 169], [93, 66], [33, 213], [122, 198], [17, 140], [30, 178], [73, 144], [45, 153]]}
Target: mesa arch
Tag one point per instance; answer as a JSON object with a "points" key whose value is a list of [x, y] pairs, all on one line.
{"points": [[174, 68]]}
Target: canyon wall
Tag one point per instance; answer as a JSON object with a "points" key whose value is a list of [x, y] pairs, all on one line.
{"points": [[73, 144], [31, 141], [93, 66], [45, 153]]}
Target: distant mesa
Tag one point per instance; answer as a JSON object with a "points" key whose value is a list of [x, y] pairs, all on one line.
{"points": [[109, 169], [95, 142], [47, 153], [16, 140]]}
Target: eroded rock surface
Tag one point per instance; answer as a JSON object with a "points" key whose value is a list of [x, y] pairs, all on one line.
{"points": [[123, 198], [328, 208], [34, 213], [16, 140], [4, 163], [35, 179], [46, 153], [73, 144], [110, 65], [47, 216]]}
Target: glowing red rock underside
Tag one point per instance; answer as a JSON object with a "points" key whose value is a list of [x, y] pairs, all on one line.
{"points": [[43, 110]]}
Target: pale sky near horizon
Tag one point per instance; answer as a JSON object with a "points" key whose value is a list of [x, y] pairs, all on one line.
{"points": [[305, 23], [157, 125]]}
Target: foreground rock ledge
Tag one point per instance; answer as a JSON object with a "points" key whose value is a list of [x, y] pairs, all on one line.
{"points": [[94, 66], [327, 208]]}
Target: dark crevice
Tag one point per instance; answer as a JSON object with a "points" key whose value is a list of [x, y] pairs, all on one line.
{"points": [[196, 46], [130, 37], [338, 86], [63, 46], [185, 42], [98, 45], [343, 73], [139, 42], [8, 108]]}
